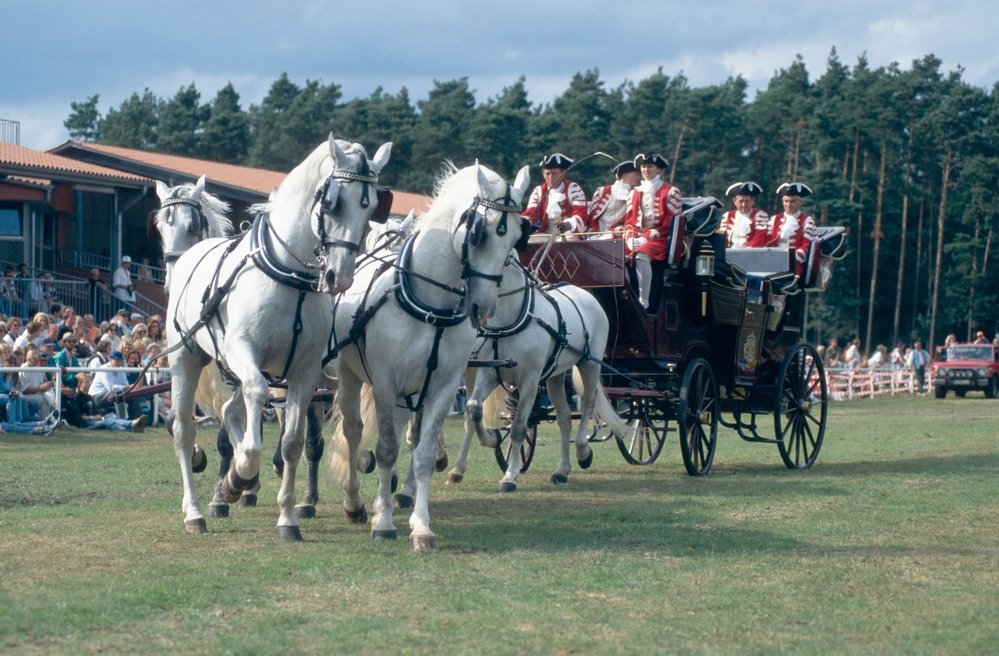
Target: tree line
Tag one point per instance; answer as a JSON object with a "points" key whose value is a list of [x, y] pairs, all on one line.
{"points": [[906, 158]]}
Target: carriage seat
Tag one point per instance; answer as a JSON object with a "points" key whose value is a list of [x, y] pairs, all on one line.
{"points": [[703, 214], [829, 247]]}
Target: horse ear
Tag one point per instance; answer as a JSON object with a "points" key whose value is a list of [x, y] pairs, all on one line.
{"points": [[483, 180], [198, 188], [162, 190], [381, 158], [522, 182], [336, 152], [407, 223]]}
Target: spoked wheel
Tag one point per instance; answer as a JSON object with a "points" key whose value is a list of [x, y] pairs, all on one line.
{"points": [[802, 400], [504, 445], [648, 424], [697, 417]]}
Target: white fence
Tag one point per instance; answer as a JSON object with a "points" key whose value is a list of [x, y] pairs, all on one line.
{"points": [[847, 384]]}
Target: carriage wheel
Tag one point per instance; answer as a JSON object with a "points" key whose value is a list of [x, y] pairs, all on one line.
{"points": [[503, 446], [648, 425], [800, 413], [697, 417]]}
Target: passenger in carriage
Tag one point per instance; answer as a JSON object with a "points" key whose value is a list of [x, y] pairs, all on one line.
{"points": [[558, 205], [742, 223], [610, 202], [792, 228], [649, 222]]}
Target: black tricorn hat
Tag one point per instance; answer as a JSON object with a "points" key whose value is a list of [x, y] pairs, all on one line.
{"points": [[793, 189], [747, 188], [651, 158], [624, 167], [556, 161]]}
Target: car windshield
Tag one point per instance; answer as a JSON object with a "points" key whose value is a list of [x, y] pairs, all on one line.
{"points": [[969, 353]]}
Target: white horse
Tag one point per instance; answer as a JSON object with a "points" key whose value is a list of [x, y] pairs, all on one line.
{"points": [[547, 332], [426, 311], [253, 306]]}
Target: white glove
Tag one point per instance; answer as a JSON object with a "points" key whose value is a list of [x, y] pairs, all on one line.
{"points": [[635, 242]]}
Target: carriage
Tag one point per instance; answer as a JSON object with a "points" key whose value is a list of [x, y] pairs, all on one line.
{"points": [[722, 342]]}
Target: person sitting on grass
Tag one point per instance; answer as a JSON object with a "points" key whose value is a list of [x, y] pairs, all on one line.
{"points": [[82, 412]]}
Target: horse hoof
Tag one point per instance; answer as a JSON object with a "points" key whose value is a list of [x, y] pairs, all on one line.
{"points": [[289, 533], [199, 460], [370, 465], [507, 486], [218, 510], [558, 479], [441, 463], [384, 534], [423, 542], [454, 479], [359, 516], [248, 501], [279, 469], [587, 461], [304, 511], [195, 526], [403, 501]]}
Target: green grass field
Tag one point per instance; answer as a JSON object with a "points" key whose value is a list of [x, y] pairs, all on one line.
{"points": [[889, 544]]}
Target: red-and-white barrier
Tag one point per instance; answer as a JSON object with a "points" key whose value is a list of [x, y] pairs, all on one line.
{"points": [[847, 384]]}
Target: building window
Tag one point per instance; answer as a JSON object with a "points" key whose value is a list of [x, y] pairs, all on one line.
{"points": [[10, 222]]}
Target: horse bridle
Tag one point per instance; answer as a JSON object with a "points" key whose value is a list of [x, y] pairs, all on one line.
{"points": [[328, 199], [200, 223], [475, 230]]}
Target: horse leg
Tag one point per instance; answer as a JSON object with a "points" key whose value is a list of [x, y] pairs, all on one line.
{"points": [[277, 460], [474, 389], [404, 498], [233, 422], [219, 507], [313, 454], [436, 405], [563, 416], [528, 390], [350, 432], [293, 442], [589, 379], [185, 371], [386, 454]]}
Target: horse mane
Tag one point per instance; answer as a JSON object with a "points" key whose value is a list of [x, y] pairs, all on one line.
{"points": [[312, 166], [447, 205]]}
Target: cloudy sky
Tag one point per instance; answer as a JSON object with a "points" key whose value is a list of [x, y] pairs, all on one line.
{"points": [[54, 52]]}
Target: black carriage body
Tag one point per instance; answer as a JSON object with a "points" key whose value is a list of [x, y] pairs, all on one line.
{"points": [[736, 314]]}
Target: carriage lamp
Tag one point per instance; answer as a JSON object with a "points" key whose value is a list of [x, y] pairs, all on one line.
{"points": [[704, 268]]}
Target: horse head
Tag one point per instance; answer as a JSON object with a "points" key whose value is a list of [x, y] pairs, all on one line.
{"points": [[344, 203], [187, 215], [490, 228]]}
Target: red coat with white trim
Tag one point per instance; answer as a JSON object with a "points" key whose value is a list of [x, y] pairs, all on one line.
{"points": [[668, 244], [573, 206], [794, 232], [606, 212], [734, 227]]}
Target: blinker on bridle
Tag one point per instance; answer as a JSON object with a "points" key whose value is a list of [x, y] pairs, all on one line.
{"points": [[328, 199], [202, 222]]}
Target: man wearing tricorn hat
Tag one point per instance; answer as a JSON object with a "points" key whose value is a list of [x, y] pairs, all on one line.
{"points": [[649, 223], [792, 228], [610, 202], [740, 224], [557, 205]]}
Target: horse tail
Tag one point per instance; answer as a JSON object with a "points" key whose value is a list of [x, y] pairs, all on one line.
{"points": [[494, 404], [339, 462], [211, 392], [603, 409]]}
